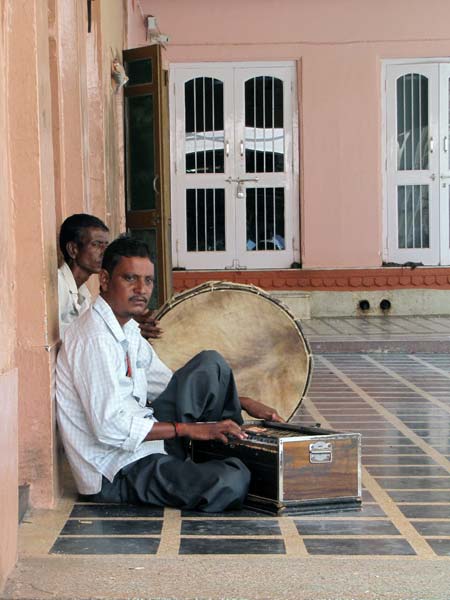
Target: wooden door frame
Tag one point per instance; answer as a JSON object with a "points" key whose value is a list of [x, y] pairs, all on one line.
{"points": [[159, 217]]}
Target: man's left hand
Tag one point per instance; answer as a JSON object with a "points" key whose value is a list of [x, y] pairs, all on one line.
{"points": [[259, 410], [149, 326]]}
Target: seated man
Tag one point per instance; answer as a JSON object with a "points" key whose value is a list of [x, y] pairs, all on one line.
{"points": [[82, 240], [117, 403]]}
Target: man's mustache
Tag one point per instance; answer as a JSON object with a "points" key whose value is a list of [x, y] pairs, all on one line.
{"points": [[138, 298]]}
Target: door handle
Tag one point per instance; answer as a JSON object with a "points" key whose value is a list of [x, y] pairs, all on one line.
{"points": [[155, 180], [445, 144], [431, 145], [445, 176], [240, 188], [241, 180], [227, 148], [241, 146]]}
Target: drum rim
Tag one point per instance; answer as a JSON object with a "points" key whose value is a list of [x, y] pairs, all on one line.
{"points": [[218, 285]]}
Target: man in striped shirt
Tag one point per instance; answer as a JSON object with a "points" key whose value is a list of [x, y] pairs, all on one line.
{"points": [[125, 417]]}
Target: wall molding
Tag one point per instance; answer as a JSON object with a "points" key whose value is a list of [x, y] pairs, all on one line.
{"points": [[339, 280]]}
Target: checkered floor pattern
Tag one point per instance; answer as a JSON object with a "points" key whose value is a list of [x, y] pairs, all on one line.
{"points": [[401, 405]]}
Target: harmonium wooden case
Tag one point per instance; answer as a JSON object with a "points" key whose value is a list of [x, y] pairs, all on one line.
{"points": [[296, 469]]}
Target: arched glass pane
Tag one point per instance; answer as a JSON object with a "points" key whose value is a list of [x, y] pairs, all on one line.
{"points": [[204, 130], [412, 122], [264, 127]]}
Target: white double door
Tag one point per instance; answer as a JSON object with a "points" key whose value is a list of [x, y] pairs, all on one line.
{"points": [[234, 203], [418, 163]]}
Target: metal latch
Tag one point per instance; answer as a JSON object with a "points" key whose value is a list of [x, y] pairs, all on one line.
{"points": [[320, 452]]}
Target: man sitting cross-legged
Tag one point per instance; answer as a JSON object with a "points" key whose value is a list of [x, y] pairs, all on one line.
{"points": [[118, 403]]}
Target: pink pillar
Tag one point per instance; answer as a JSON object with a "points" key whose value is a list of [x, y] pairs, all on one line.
{"points": [[8, 370], [31, 154]]}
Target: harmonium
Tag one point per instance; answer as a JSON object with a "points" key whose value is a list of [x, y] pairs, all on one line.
{"points": [[295, 469]]}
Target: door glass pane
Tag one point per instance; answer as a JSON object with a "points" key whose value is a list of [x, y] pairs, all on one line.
{"points": [[412, 122], [204, 129], [264, 132], [205, 220], [265, 219], [149, 237], [140, 152], [448, 128], [413, 216], [449, 214], [139, 71]]}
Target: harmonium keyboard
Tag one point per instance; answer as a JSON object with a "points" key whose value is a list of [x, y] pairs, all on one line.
{"points": [[294, 469]]}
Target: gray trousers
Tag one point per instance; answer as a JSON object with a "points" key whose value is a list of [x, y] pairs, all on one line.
{"points": [[202, 390]]}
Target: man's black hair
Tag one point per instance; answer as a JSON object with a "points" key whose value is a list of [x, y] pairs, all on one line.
{"points": [[73, 229], [127, 246]]}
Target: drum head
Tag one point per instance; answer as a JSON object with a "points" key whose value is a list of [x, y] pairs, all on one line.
{"points": [[256, 334]]}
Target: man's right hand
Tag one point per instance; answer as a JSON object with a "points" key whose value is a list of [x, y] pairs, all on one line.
{"points": [[217, 430], [148, 325]]}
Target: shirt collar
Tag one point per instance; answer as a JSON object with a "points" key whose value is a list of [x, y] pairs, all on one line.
{"points": [[69, 278], [105, 311], [82, 293]]}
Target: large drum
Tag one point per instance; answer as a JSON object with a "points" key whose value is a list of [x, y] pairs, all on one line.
{"points": [[256, 334]]}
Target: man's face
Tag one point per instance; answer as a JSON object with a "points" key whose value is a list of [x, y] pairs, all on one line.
{"points": [[89, 253], [129, 288]]}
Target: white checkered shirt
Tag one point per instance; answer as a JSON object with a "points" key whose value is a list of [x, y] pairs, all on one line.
{"points": [[72, 301], [102, 412]]}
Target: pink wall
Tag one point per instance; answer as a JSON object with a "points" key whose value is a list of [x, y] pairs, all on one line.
{"points": [[49, 96], [8, 473], [339, 47], [8, 371], [293, 22]]}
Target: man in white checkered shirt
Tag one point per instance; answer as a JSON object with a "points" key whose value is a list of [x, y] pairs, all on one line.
{"points": [[118, 404]]}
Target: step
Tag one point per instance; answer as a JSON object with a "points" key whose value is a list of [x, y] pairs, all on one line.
{"points": [[412, 346], [298, 303]]}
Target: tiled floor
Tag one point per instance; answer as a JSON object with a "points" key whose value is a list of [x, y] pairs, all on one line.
{"points": [[372, 334], [434, 327], [401, 405]]}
